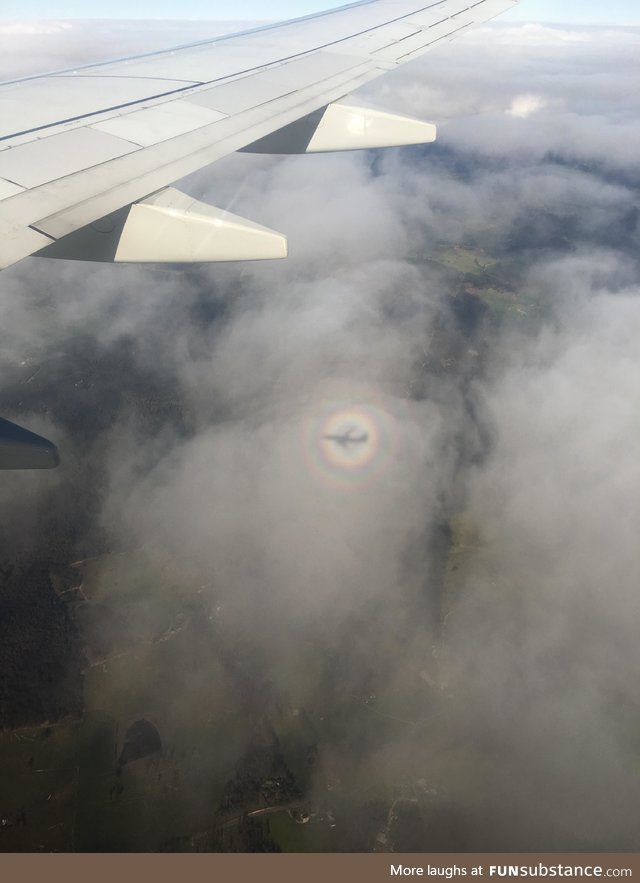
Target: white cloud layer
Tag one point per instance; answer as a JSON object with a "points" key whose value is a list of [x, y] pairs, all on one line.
{"points": [[527, 435]]}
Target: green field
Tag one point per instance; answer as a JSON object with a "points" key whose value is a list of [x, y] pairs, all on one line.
{"points": [[464, 260], [490, 279]]}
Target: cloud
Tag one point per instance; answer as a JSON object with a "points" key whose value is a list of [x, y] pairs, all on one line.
{"points": [[539, 35], [552, 590], [12, 29], [525, 105], [460, 593]]}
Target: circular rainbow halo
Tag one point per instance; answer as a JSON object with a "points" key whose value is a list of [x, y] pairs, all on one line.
{"points": [[350, 443]]}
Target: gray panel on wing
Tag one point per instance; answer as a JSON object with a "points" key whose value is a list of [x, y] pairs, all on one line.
{"points": [[41, 102], [7, 189], [267, 85], [201, 64], [449, 35], [38, 162], [420, 41], [238, 96], [372, 41], [159, 123], [429, 18]]}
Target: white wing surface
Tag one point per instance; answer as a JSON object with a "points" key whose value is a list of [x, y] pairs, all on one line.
{"points": [[86, 155]]}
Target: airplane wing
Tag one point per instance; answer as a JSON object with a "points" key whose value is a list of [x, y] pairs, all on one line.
{"points": [[86, 155], [21, 449]]}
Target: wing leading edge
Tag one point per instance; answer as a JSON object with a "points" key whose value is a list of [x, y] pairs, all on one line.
{"points": [[78, 146]]}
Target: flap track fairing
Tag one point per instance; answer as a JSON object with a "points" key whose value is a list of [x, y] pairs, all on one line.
{"points": [[345, 126], [170, 227]]}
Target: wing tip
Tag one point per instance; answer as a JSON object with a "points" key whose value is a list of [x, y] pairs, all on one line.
{"points": [[22, 449]]}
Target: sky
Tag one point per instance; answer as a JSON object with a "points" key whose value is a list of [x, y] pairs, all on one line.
{"points": [[618, 12]]}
